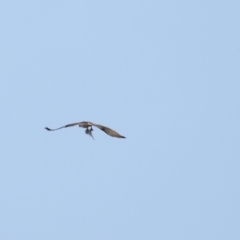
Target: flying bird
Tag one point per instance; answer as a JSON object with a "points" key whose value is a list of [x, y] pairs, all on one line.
{"points": [[89, 129]]}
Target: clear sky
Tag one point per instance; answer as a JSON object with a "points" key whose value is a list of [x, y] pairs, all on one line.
{"points": [[165, 74]]}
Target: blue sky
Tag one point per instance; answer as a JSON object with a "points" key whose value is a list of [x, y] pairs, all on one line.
{"points": [[165, 74]]}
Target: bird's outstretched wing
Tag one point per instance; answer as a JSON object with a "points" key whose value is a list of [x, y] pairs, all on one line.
{"points": [[108, 131], [68, 125]]}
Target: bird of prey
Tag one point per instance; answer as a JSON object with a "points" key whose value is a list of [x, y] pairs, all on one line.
{"points": [[89, 129]]}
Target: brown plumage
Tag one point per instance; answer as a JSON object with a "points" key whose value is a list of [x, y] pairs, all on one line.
{"points": [[88, 126]]}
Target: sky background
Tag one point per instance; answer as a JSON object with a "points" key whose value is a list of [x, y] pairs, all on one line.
{"points": [[165, 74]]}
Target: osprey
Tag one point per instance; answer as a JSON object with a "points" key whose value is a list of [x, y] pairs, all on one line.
{"points": [[89, 129]]}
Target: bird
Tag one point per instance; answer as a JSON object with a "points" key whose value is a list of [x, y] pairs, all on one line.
{"points": [[89, 129]]}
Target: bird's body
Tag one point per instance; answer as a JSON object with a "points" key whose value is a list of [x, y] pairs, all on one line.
{"points": [[89, 129]]}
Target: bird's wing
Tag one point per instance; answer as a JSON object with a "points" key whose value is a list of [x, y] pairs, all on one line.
{"points": [[68, 125], [108, 131]]}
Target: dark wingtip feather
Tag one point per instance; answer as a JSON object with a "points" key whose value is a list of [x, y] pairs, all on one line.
{"points": [[47, 128]]}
